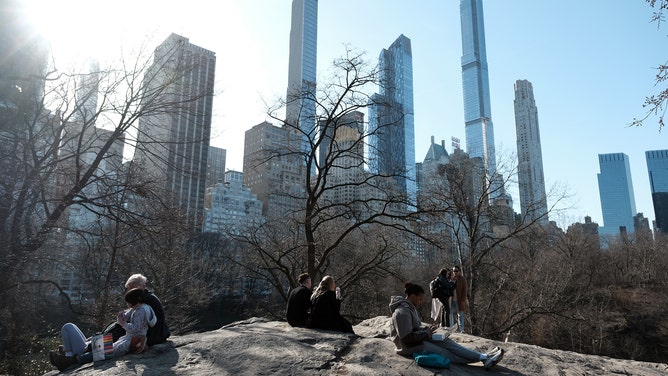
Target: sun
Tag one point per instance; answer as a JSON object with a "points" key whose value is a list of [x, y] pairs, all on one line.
{"points": [[83, 29]]}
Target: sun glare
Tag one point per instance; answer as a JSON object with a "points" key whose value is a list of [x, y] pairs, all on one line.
{"points": [[82, 29]]}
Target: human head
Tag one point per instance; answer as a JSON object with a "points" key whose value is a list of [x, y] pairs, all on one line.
{"points": [[134, 296], [456, 270], [414, 293], [327, 283], [136, 281], [445, 272], [305, 279]]}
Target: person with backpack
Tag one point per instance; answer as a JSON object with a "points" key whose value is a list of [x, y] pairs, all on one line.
{"points": [[442, 288]]}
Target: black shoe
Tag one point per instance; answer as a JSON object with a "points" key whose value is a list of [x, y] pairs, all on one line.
{"points": [[62, 362]]}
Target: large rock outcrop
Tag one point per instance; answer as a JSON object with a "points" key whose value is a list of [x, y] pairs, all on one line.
{"points": [[261, 347]]}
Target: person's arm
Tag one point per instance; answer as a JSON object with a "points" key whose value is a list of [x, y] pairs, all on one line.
{"points": [[403, 324]]}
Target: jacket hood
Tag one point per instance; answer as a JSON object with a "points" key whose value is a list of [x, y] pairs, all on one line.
{"points": [[400, 301]]}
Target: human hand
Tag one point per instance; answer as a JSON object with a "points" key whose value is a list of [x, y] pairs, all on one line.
{"points": [[433, 328]]}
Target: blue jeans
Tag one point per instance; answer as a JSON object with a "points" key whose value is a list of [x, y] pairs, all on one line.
{"points": [[75, 344], [460, 315]]}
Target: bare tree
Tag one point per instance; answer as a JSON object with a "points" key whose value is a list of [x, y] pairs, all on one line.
{"points": [[342, 213], [61, 158], [656, 104]]}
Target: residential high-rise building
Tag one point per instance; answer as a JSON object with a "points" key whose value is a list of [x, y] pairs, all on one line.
{"points": [[657, 168], [173, 143], [300, 100], [391, 125], [215, 166], [231, 208], [615, 188], [533, 199], [475, 83], [343, 152], [271, 171]]}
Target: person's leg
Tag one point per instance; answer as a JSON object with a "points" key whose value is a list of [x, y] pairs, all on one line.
{"points": [[453, 310], [461, 317], [74, 341], [451, 350], [446, 313]]}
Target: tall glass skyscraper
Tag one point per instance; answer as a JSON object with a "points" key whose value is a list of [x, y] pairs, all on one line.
{"points": [[174, 144], [533, 200], [391, 118], [300, 107], [657, 168], [615, 188], [475, 82]]}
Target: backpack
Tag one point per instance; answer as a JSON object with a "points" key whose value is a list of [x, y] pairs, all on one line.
{"points": [[438, 291], [433, 360]]}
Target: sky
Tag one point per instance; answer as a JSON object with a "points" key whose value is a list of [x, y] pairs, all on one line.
{"points": [[591, 63]]}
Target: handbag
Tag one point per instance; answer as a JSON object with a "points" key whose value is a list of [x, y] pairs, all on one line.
{"points": [[433, 360], [102, 346]]}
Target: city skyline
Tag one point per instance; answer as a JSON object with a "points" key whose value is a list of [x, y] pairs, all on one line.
{"points": [[590, 74]]}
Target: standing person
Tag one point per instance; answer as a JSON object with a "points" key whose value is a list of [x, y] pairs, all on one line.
{"points": [[160, 331], [442, 288], [135, 320], [299, 303], [326, 306], [409, 336], [461, 296]]}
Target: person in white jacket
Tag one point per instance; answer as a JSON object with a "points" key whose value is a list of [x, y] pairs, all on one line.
{"points": [[135, 320], [409, 336]]}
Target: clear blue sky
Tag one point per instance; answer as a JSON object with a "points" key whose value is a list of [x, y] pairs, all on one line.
{"points": [[590, 62]]}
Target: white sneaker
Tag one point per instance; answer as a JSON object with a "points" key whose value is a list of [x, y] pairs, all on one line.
{"points": [[493, 360], [493, 351]]}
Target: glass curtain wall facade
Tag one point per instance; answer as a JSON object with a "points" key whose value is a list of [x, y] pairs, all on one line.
{"points": [[531, 179], [615, 188], [657, 168], [391, 121], [475, 82], [301, 106]]}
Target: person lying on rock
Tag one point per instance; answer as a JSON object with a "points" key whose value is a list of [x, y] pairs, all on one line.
{"points": [[410, 337], [326, 306], [135, 320]]}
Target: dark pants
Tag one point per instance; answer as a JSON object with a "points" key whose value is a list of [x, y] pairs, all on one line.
{"points": [[445, 312]]}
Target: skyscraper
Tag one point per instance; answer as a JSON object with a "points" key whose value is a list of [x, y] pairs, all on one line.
{"points": [[657, 168], [615, 188], [533, 200], [475, 83], [173, 143], [300, 106], [391, 118]]}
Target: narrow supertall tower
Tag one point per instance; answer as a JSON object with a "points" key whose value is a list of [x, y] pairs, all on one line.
{"points": [[475, 83], [533, 200], [300, 99]]}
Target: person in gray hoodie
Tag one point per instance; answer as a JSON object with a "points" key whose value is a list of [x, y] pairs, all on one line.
{"points": [[409, 336]]}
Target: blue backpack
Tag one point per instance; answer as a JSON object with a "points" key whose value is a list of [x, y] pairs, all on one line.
{"points": [[427, 359]]}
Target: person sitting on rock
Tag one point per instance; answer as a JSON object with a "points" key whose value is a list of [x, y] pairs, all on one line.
{"points": [[409, 336], [326, 306], [160, 331], [299, 303], [135, 320]]}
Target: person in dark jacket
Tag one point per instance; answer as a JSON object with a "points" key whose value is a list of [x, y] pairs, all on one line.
{"points": [[443, 288], [160, 331], [299, 303], [326, 306]]}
